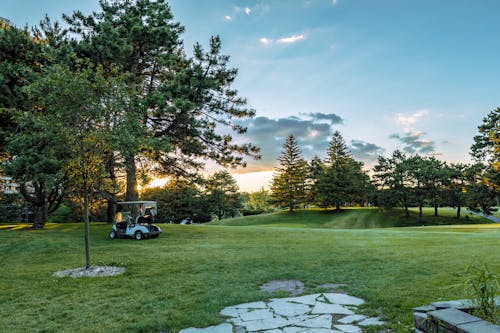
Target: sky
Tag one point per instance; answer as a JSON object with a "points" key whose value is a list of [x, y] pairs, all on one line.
{"points": [[418, 76]]}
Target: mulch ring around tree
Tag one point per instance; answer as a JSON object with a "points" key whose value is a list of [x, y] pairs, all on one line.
{"points": [[92, 271]]}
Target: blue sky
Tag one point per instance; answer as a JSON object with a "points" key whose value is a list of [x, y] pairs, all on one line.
{"points": [[411, 75]]}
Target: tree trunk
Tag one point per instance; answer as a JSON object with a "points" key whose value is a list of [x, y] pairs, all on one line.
{"points": [[40, 216], [407, 212], [420, 215], [337, 206], [458, 212], [110, 211], [110, 167], [86, 221], [40, 204], [132, 194], [436, 209]]}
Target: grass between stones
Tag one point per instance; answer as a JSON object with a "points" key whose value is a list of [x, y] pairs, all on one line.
{"points": [[185, 277]]}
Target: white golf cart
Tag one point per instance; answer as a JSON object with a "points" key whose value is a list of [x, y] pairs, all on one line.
{"points": [[135, 219]]}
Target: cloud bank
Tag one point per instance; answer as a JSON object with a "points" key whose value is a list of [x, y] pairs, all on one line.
{"points": [[414, 143], [313, 132]]}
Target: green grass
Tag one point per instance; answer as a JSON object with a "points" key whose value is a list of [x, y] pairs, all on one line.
{"points": [[185, 277], [356, 218]]}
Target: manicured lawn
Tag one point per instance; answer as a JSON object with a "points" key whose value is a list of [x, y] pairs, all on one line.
{"points": [[185, 277]]}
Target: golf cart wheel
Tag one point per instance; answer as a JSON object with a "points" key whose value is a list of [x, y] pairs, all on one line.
{"points": [[138, 235], [112, 234]]}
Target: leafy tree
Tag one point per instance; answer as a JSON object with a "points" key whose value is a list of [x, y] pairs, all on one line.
{"points": [[288, 184], [342, 179], [258, 201], [222, 193], [177, 200], [77, 103], [178, 101]]}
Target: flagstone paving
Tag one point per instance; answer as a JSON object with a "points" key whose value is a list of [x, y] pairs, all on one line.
{"points": [[315, 313]]}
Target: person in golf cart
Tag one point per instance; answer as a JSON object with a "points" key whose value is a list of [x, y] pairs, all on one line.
{"points": [[135, 220]]}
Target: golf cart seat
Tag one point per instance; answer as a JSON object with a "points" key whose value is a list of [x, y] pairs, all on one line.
{"points": [[121, 225]]}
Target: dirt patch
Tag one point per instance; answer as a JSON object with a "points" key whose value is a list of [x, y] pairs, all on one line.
{"points": [[294, 287], [93, 271]]}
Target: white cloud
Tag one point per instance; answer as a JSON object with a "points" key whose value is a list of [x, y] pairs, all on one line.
{"points": [[265, 41], [291, 39], [334, 2], [408, 120], [247, 10], [228, 18]]}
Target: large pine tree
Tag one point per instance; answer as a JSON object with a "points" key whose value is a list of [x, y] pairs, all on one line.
{"points": [[176, 102], [289, 184]]}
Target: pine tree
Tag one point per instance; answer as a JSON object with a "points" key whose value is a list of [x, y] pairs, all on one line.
{"points": [[289, 184], [176, 102], [342, 179]]}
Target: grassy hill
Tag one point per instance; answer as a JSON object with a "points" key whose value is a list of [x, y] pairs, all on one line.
{"points": [[354, 218]]}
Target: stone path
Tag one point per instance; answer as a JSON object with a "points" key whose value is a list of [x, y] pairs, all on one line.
{"points": [[315, 313]]}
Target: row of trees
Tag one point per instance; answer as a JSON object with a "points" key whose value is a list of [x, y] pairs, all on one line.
{"points": [[399, 180], [332, 182], [88, 112]]}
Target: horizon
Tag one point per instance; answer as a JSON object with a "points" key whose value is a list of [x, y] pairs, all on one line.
{"points": [[388, 75]]}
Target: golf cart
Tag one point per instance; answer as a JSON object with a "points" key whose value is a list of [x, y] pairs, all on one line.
{"points": [[135, 219]]}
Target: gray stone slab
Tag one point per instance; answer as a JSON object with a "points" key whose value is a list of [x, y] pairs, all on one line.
{"points": [[239, 329], [294, 287], [372, 322], [452, 316], [252, 305], [289, 309], [322, 321], [274, 331], [348, 328], [478, 327], [232, 311], [351, 319], [294, 329], [343, 299], [306, 299], [256, 315], [265, 324], [222, 328], [421, 320], [325, 308], [425, 308], [456, 304], [319, 330]]}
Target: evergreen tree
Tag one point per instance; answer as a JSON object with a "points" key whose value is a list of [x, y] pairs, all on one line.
{"points": [[33, 149], [486, 153], [288, 184], [394, 181], [223, 194], [176, 102], [342, 179]]}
